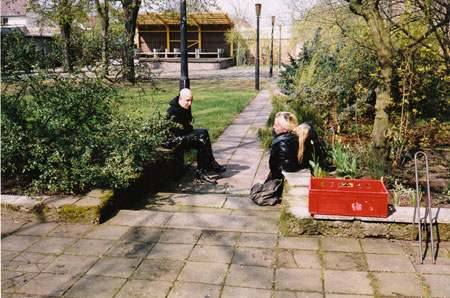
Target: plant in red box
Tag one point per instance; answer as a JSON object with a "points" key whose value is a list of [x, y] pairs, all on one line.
{"points": [[346, 166]]}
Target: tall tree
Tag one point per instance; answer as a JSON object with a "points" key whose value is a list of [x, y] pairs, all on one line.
{"points": [[103, 13], [63, 13], [369, 10], [130, 13]]}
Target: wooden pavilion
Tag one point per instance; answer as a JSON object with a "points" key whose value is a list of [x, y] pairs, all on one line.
{"points": [[158, 35]]}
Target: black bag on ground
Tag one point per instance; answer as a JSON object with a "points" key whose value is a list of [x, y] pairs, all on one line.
{"points": [[267, 194]]}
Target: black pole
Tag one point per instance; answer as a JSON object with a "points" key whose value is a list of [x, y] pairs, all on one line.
{"points": [[184, 79], [271, 49], [257, 53], [279, 52]]}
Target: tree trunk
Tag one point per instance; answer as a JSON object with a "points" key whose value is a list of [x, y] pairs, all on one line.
{"points": [[130, 12], [65, 40], [369, 10], [104, 20]]}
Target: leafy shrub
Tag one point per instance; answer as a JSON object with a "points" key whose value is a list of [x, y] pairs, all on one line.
{"points": [[18, 53], [265, 136], [67, 135]]}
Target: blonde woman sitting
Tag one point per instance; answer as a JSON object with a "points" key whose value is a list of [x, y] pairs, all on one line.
{"points": [[293, 145]]}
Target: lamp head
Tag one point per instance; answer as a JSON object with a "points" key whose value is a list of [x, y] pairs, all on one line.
{"points": [[273, 20], [258, 9]]}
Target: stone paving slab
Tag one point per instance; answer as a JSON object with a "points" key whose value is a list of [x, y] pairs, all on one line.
{"points": [[392, 263], [219, 238], [29, 262], [74, 265], [348, 282], [114, 267], [222, 246], [244, 202], [156, 269], [298, 279], [189, 290], [260, 213], [250, 276], [130, 249], [439, 284], [250, 256], [51, 245], [222, 222], [193, 209], [48, 284], [406, 284], [141, 218], [232, 292], [344, 261], [201, 200], [299, 243], [341, 244], [95, 286], [258, 240], [144, 289], [216, 254], [211, 273]]}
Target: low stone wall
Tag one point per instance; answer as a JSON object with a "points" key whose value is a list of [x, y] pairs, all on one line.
{"points": [[97, 205], [197, 64], [296, 219]]}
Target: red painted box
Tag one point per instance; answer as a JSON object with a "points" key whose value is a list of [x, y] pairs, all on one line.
{"points": [[353, 197]]}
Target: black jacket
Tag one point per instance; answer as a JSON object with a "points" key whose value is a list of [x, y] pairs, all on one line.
{"points": [[283, 154], [181, 116], [284, 149]]}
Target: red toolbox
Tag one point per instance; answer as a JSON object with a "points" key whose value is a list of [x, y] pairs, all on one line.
{"points": [[353, 197]]}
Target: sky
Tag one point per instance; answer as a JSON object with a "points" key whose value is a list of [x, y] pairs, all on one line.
{"points": [[278, 8], [268, 9]]}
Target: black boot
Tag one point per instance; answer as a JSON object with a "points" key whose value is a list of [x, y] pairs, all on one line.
{"points": [[217, 168], [204, 178]]}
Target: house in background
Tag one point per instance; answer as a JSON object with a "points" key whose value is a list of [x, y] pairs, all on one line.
{"points": [[14, 15], [158, 40]]}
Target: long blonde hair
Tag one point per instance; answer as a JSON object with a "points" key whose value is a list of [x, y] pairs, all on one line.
{"points": [[288, 121], [302, 131]]}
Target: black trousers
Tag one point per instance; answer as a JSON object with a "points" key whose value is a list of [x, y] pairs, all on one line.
{"points": [[198, 139]]}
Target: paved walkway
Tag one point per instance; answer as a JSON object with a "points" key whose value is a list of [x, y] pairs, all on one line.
{"points": [[196, 240], [227, 73]]}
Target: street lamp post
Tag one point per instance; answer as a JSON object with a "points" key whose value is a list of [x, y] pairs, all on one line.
{"points": [[279, 52], [184, 79], [271, 49], [258, 13]]}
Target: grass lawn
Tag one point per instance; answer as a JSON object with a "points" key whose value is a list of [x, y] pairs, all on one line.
{"points": [[216, 102]]}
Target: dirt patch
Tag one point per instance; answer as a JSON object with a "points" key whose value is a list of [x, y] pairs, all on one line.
{"points": [[439, 180]]}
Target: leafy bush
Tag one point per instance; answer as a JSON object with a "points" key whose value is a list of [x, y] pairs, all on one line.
{"points": [[265, 136], [66, 135], [18, 53]]}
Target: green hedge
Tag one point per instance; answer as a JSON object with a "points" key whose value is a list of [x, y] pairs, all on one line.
{"points": [[67, 135]]}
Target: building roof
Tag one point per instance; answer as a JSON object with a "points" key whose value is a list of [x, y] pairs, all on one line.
{"points": [[14, 8], [194, 19]]}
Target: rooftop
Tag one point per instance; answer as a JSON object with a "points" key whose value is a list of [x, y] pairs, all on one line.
{"points": [[194, 19]]}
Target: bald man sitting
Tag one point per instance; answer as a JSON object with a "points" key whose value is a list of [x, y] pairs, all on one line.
{"points": [[186, 137]]}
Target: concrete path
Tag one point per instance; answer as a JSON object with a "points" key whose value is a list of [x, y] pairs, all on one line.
{"points": [[196, 240]]}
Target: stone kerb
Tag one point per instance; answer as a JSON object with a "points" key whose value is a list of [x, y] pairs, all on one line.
{"points": [[295, 193], [83, 209], [298, 221]]}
